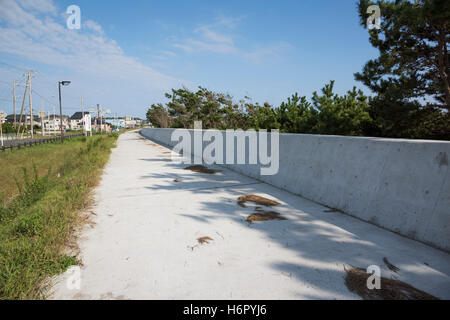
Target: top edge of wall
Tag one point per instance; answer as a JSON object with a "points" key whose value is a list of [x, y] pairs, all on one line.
{"points": [[336, 136]]}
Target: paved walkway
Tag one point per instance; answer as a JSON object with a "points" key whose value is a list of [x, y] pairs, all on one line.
{"points": [[143, 244]]}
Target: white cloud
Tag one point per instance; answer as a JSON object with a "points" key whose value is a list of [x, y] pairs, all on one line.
{"points": [[216, 38], [213, 36], [23, 32], [45, 6], [94, 26]]}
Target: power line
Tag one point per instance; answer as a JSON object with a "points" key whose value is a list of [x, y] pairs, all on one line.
{"points": [[39, 76], [46, 99], [15, 67]]}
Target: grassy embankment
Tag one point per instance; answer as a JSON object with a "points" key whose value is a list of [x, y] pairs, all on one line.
{"points": [[43, 190]]}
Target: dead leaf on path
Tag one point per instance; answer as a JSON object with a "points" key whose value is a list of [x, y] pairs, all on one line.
{"points": [[204, 240], [177, 180], [332, 210], [256, 199], [390, 265], [264, 216], [201, 169], [356, 282]]}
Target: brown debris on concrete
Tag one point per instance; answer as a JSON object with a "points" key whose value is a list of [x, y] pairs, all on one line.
{"points": [[177, 180], [201, 169], [356, 282], [264, 216], [390, 265], [332, 210], [204, 240], [256, 199]]}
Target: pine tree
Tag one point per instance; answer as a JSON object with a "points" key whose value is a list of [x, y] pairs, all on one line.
{"points": [[411, 75]]}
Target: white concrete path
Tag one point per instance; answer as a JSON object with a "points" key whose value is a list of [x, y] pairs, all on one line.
{"points": [[143, 244]]}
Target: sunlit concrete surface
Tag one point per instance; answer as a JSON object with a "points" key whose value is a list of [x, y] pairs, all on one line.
{"points": [[143, 244]]}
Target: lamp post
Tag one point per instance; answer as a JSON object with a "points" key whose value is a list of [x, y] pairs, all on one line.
{"points": [[64, 83]]}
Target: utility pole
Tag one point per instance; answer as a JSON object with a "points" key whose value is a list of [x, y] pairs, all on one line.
{"points": [[84, 120], [42, 116], [31, 105], [54, 120], [98, 116], [14, 103], [21, 110], [1, 130]]}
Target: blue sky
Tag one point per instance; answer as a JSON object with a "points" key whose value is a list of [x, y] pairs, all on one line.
{"points": [[129, 53]]}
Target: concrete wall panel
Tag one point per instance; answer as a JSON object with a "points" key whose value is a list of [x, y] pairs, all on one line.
{"points": [[401, 185]]}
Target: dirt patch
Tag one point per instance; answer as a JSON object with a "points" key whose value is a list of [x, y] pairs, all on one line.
{"points": [[356, 282], [264, 216], [204, 240], [201, 169], [390, 265], [256, 199]]}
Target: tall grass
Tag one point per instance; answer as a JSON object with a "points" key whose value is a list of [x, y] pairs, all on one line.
{"points": [[37, 223]]}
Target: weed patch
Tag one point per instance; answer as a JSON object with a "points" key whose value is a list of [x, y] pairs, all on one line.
{"points": [[38, 220]]}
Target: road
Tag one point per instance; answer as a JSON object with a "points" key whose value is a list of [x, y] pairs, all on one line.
{"points": [[142, 242]]}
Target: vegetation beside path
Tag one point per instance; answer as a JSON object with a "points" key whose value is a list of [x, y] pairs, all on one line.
{"points": [[43, 190]]}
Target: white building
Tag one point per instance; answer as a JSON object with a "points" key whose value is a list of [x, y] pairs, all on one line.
{"points": [[52, 123], [3, 116], [77, 122], [131, 122]]}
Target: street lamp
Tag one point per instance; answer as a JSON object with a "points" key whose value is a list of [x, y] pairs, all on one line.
{"points": [[64, 83]]}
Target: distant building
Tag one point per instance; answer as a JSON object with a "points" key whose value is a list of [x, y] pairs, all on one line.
{"points": [[3, 116], [131, 122], [52, 123], [125, 122], [116, 122], [100, 125], [26, 119], [77, 122]]}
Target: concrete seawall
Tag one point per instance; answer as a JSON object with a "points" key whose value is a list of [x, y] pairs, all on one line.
{"points": [[400, 185]]}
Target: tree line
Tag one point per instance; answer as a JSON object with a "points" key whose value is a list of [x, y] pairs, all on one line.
{"points": [[409, 81], [8, 128]]}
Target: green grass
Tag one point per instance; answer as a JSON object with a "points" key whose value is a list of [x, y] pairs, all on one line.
{"points": [[37, 223]]}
